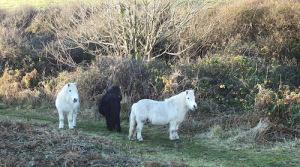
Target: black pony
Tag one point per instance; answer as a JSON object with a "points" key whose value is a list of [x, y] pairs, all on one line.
{"points": [[109, 106]]}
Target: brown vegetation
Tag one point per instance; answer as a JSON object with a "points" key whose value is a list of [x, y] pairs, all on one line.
{"points": [[157, 48], [39, 145]]}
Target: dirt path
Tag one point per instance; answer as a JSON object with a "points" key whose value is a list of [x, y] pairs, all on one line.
{"points": [[31, 137]]}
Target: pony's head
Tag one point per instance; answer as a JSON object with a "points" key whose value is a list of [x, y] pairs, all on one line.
{"points": [[72, 92], [115, 91], [190, 99]]}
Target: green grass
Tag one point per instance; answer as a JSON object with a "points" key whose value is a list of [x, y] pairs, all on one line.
{"points": [[157, 146]]}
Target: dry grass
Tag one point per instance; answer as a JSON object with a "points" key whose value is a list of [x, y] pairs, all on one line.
{"points": [[40, 145], [250, 27], [88, 139], [12, 5]]}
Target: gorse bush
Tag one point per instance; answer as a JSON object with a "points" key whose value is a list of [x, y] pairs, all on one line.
{"points": [[282, 106], [15, 88]]}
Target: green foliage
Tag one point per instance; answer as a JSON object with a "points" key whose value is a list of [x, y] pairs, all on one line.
{"points": [[281, 106]]}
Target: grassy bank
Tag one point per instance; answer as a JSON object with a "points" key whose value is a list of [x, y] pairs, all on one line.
{"points": [[190, 150]]}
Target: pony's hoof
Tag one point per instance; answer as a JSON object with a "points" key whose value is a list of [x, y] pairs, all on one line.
{"points": [[140, 139], [174, 139]]}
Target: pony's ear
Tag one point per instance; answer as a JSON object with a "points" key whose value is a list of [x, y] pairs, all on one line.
{"points": [[187, 92], [68, 84]]}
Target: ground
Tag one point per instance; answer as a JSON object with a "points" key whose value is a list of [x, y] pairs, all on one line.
{"points": [[31, 136]]}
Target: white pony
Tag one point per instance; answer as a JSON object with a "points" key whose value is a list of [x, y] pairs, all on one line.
{"points": [[67, 101], [171, 111]]}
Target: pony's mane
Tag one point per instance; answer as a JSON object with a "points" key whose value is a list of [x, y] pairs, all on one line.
{"points": [[175, 97]]}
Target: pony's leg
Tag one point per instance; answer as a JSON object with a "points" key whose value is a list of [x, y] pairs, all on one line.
{"points": [[61, 119], [74, 118], [134, 133], [132, 127], [70, 119], [109, 122], [117, 123], [139, 128], [172, 130], [176, 131]]}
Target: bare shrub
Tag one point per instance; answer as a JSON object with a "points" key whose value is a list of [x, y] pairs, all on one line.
{"points": [[139, 30]]}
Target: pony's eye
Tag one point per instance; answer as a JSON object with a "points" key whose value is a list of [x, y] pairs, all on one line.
{"points": [[188, 98], [69, 90]]}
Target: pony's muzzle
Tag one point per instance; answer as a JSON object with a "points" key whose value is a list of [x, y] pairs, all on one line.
{"points": [[75, 100], [194, 107]]}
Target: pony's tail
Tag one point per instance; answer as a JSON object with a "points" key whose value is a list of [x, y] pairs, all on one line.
{"points": [[132, 123]]}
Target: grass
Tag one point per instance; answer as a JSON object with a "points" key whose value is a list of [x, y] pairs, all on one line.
{"points": [[14, 4], [157, 147]]}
